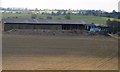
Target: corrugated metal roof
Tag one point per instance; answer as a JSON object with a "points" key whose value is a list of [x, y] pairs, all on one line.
{"points": [[44, 21]]}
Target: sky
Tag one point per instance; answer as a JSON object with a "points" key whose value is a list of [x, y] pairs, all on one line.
{"points": [[106, 5]]}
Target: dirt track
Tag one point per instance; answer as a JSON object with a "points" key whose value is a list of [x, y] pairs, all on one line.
{"points": [[59, 53]]}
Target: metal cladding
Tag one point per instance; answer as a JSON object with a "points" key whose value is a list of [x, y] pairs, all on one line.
{"points": [[44, 21]]}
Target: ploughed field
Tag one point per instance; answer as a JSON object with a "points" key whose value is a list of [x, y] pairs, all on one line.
{"points": [[33, 52]]}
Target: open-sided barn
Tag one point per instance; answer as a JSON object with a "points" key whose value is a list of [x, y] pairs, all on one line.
{"points": [[46, 24]]}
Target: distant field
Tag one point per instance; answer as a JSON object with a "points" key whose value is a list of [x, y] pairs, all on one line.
{"points": [[28, 52], [92, 19], [23, 15]]}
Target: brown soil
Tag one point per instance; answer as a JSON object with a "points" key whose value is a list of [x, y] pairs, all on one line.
{"points": [[27, 52]]}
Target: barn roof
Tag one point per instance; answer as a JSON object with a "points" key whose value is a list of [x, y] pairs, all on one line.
{"points": [[44, 21]]}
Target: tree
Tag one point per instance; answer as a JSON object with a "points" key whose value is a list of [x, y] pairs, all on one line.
{"points": [[64, 12], [53, 13], [118, 15], [59, 12], [36, 9], [114, 11]]}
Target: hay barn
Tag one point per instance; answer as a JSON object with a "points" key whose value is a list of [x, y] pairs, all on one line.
{"points": [[10, 23]]}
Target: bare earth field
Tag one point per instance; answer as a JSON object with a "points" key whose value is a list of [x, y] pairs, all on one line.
{"points": [[28, 52]]}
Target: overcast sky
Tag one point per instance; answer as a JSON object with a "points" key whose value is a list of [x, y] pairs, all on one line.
{"points": [[107, 5]]}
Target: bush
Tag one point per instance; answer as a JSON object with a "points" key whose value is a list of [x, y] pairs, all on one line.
{"points": [[16, 17], [41, 18], [67, 17], [49, 17], [118, 33], [34, 16], [114, 26], [59, 18]]}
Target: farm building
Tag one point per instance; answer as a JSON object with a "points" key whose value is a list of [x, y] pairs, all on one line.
{"points": [[16, 23]]}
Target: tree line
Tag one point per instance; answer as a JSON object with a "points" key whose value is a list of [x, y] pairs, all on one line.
{"points": [[114, 26]]}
